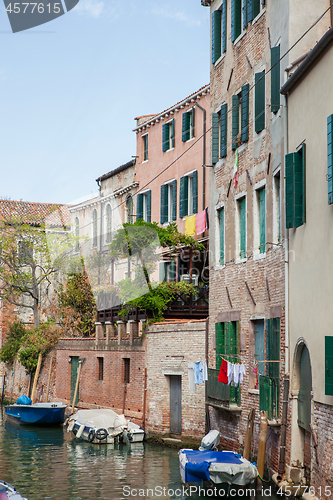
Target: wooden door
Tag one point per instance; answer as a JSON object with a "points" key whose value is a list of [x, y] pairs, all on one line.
{"points": [[175, 404]]}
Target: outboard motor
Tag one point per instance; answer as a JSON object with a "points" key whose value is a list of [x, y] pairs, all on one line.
{"points": [[210, 441]]}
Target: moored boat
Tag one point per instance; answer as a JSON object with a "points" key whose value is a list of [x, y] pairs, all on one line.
{"points": [[8, 491], [38, 413]]}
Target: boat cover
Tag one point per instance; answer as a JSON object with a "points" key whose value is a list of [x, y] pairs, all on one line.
{"points": [[104, 419], [217, 466]]}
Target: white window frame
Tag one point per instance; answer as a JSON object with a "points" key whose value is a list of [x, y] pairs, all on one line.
{"points": [[217, 237], [144, 136], [256, 220], [169, 123], [238, 198], [170, 203]]}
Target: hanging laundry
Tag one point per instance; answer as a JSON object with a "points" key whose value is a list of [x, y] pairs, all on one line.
{"points": [[201, 222], [204, 370], [191, 384], [190, 225], [207, 217], [223, 375], [236, 374], [198, 373], [241, 373], [230, 372]]}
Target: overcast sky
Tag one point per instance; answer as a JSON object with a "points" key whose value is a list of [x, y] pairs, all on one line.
{"points": [[70, 89]]}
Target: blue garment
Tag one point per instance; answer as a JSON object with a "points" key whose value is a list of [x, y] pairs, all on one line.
{"points": [[198, 373]]}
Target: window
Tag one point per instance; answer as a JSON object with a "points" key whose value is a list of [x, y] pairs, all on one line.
{"points": [[245, 112], [329, 366], [330, 158], [219, 133], [295, 188], [25, 251], [259, 102], [129, 210], [94, 228], [77, 234], [220, 214], [269, 381], [241, 232], [188, 194], [168, 135], [188, 125], [277, 208], [215, 137], [275, 79], [127, 370], [100, 368], [143, 210], [235, 120], [227, 347], [108, 214], [219, 32], [168, 202], [168, 271], [260, 221], [145, 147], [252, 8], [236, 19]]}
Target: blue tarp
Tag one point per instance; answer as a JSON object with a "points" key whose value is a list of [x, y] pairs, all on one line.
{"points": [[23, 400], [198, 463]]}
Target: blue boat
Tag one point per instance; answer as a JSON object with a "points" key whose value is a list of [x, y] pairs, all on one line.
{"points": [[8, 491], [38, 413]]}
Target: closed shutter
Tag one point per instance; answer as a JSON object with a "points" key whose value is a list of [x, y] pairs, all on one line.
{"points": [[195, 191], [139, 207], [164, 203], [219, 344], [172, 271], [255, 8], [294, 190], [236, 27], [304, 395], [235, 120], [162, 271], [273, 346], [181, 197], [330, 158], [193, 123], [259, 107], [149, 206], [329, 366], [215, 137], [275, 79], [224, 136], [173, 133], [221, 221], [186, 126], [249, 11], [245, 112], [216, 35], [244, 7], [262, 220], [174, 201], [266, 395], [165, 137], [242, 217], [224, 26]]}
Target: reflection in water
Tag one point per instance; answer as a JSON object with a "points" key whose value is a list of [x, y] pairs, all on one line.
{"points": [[47, 463]]}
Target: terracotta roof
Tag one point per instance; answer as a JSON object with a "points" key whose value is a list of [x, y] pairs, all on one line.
{"points": [[145, 116], [53, 215]]}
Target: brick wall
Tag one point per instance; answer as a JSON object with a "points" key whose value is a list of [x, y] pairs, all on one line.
{"points": [[322, 471]]}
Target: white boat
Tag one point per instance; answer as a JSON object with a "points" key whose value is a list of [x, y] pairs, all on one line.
{"points": [[8, 491], [104, 426]]}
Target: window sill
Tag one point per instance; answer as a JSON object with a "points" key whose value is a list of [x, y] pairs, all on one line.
{"points": [[167, 150], [255, 392], [258, 16], [192, 138], [238, 39], [219, 267], [232, 408], [259, 256], [242, 147], [145, 161], [274, 423], [241, 261], [216, 63]]}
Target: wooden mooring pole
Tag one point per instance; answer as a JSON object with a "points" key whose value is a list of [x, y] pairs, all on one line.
{"points": [[249, 433], [49, 380], [262, 446], [39, 364], [77, 384]]}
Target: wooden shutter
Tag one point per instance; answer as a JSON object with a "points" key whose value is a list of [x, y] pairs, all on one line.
{"points": [[221, 224], [275, 79], [262, 220], [193, 122], [236, 27], [224, 26], [224, 126], [242, 217], [265, 395], [149, 206], [181, 197], [219, 344], [255, 8], [249, 11], [244, 8], [273, 346], [330, 158], [186, 126], [294, 189], [162, 205], [162, 271], [259, 107], [165, 137], [215, 137], [172, 271], [173, 133], [195, 192], [139, 207], [245, 112], [216, 35], [329, 366], [174, 201], [235, 120], [304, 395]]}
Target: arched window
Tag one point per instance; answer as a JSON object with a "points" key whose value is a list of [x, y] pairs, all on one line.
{"points": [[108, 214], [95, 228], [77, 234], [129, 209]]}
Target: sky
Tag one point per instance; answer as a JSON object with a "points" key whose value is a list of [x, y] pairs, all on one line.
{"points": [[70, 90]]}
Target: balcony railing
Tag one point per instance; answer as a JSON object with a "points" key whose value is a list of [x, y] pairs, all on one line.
{"points": [[217, 392]]}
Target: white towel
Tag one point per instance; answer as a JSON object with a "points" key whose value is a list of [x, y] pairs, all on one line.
{"points": [[204, 371], [191, 385], [230, 372]]}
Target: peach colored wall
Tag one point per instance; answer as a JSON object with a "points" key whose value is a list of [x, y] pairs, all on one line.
{"points": [[159, 160]]}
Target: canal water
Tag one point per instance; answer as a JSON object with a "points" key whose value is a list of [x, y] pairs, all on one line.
{"points": [[48, 463]]}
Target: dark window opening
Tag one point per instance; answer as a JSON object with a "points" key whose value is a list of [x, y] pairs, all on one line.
{"points": [[100, 368], [127, 370]]}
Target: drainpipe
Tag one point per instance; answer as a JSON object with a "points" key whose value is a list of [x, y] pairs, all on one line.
{"points": [[286, 237], [204, 158]]}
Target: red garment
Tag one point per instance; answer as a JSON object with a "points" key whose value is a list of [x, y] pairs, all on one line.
{"points": [[201, 222], [223, 375]]}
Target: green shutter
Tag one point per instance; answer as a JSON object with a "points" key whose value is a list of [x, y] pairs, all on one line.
{"points": [[221, 221], [149, 206], [162, 271], [255, 8], [266, 395], [330, 158], [236, 27], [304, 395], [259, 108], [273, 347], [245, 112], [173, 133], [294, 165], [262, 220], [193, 123], [162, 205], [249, 11], [186, 126], [215, 137], [224, 136], [224, 26], [181, 197], [165, 203], [242, 217], [172, 271], [139, 207], [219, 344], [174, 201], [165, 137], [216, 35], [195, 191], [275, 79], [329, 366], [235, 120], [244, 7], [185, 197]]}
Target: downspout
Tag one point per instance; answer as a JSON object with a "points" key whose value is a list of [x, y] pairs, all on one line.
{"points": [[204, 158], [286, 239]]}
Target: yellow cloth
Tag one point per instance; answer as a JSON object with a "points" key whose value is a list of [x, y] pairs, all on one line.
{"points": [[190, 225]]}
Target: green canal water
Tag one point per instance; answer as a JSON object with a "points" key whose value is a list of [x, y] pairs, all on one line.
{"points": [[48, 463]]}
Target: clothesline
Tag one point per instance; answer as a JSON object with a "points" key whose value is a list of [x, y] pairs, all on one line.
{"points": [[196, 224]]}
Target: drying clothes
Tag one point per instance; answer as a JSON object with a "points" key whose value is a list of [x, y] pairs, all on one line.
{"points": [[223, 375], [205, 371], [198, 373], [230, 372], [190, 225], [241, 373], [191, 384], [201, 222], [236, 374]]}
